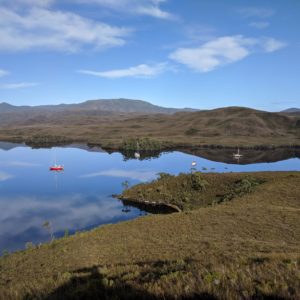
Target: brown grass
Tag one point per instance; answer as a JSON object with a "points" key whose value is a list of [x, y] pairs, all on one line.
{"points": [[228, 127], [247, 248]]}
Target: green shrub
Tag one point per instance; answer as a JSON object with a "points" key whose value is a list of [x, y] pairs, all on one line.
{"points": [[198, 183], [191, 131], [29, 245], [162, 176], [141, 144]]}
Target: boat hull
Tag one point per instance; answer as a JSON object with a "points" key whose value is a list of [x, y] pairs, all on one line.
{"points": [[56, 168]]}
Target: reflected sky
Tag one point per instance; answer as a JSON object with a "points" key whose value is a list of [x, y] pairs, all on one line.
{"points": [[80, 197]]}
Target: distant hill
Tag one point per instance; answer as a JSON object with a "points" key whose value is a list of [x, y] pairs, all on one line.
{"points": [[90, 123], [236, 121], [6, 107], [291, 110], [106, 105]]}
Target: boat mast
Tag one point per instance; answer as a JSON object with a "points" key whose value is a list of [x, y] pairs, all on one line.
{"points": [[55, 157]]}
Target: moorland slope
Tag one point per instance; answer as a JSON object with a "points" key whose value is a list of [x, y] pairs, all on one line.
{"points": [[245, 248]]}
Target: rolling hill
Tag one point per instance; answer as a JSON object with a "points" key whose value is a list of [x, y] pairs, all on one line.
{"points": [[291, 110], [109, 122]]}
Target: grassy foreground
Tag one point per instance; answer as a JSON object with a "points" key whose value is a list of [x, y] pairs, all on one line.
{"points": [[245, 248]]}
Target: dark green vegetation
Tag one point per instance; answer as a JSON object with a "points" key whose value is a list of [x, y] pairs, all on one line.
{"points": [[190, 191], [143, 144], [92, 122], [245, 248], [44, 141]]}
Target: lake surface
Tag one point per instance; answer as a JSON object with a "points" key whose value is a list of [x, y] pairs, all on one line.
{"points": [[80, 198]]}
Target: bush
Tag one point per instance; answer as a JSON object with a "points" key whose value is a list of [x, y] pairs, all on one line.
{"points": [[141, 144], [39, 140], [191, 131], [198, 183], [242, 187], [163, 176]]}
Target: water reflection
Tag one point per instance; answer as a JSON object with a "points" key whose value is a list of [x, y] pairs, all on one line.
{"points": [[80, 197], [141, 175], [5, 176], [21, 218], [143, 155], [249, 156], [153, 209]]}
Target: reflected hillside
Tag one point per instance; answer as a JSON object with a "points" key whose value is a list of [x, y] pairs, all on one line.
{"points": [[249, 156], [9, 146], [143, 155], [90, 148]]}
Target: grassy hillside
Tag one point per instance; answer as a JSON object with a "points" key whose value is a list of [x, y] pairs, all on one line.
{"points": [[227, 126], [190, 191], [246, 248]]}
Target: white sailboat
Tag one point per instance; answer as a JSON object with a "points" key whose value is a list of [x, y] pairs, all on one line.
{"points": [[237, 155], [137, 154]]}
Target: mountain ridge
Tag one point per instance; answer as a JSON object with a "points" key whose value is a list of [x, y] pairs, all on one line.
{"points": [[119, 105]]}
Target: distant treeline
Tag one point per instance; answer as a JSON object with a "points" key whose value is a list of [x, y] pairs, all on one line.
{"points": [[142, 144], [42, 141]]}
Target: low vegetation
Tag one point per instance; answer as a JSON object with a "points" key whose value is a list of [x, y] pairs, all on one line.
{"points": [[44, 141], [245, 248], [141, 144], [190, 191]]}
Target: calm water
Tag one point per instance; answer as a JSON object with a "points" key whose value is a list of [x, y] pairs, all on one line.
{"points": [[80, 197]]}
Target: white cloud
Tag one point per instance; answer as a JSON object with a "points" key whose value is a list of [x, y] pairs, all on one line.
{"points": [[223, 51], [218, 52], [3, 73], [64, 31], [271, 45], [20, 85], [154, 11], [5, 176], [260, 25], [140, 7], [142, 70], [24, 3], [258, 12], [134, 175]]}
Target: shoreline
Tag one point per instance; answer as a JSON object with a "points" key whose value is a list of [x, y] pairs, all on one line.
{"points": [[215, 250], [164, 146]]}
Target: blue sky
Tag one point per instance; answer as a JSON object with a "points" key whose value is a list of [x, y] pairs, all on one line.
{"points": [[192, 53]]}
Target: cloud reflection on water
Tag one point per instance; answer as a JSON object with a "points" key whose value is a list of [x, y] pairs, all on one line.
{"points": [[5, 176], [140, 175], [21, 218], [19, 164]]}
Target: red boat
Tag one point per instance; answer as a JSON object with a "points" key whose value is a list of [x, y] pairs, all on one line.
{"points": [[56, 168]]}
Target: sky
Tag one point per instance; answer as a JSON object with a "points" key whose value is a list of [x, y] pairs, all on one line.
{"points": [[175, 53]]}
